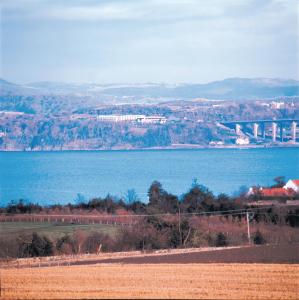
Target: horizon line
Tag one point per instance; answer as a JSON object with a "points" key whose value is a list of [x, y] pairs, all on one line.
{"points": [[148, 82]]}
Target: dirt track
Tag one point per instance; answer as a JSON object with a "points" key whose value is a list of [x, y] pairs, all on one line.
{"points": [[287, 253]]}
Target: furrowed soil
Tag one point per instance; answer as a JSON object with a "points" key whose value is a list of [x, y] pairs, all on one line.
{"points": [[271, 254], [284, 253], [191, 281]]}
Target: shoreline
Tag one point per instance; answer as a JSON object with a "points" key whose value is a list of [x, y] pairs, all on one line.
{"points": [[172, 147]]}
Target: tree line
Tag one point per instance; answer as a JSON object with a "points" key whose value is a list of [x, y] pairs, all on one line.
{"points": [[198, 200], [150, 233]]}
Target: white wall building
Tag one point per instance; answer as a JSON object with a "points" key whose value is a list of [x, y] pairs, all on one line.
{"points": [[152, 120], [242, 140], [277, 105], [119, 118], [133, 118], [292, 184]]}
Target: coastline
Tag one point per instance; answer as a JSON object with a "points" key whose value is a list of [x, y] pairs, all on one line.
{"points": [[171, 147]]}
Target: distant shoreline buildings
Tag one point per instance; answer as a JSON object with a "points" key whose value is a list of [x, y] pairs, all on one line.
{"points": [[132, 118]]}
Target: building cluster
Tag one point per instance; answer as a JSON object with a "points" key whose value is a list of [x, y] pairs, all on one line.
{"points": [[242, 140], [290, 189], [133, 118], [278, 104], [216, 143]]}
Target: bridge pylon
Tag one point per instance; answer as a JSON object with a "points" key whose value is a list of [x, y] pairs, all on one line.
{"points": [[255, 130], [293, 131], [274, 131]]}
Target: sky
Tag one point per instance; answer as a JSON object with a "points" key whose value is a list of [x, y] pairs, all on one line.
{"points": [[141, 41]]}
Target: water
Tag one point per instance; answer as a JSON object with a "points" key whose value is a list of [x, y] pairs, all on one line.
{"points": [[57, 177]]}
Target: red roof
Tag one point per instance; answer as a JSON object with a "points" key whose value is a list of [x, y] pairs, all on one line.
{"points": [[296, 181], [276, 192]]}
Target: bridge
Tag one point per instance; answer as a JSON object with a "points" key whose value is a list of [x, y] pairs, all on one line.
{"points": [[259, 128]]}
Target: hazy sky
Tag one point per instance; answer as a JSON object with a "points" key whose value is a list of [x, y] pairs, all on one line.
{"points": [[131, 41]]}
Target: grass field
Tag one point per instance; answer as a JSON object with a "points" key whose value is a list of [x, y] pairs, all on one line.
{"points": [[216, 281], [52, 230]]}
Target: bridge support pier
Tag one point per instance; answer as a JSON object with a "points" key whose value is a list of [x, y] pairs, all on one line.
{"points": [[281, 132], [255, 130], [274, 131], [260, 128], [238, 129], [293, 131], [263, 130]]}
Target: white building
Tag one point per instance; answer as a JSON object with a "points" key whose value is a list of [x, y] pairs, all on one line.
{"points": [[11, 113], [277, 105], [119, 118], [216, 143], [152, 120], [132, 118], [242, 140], [292, 184]]}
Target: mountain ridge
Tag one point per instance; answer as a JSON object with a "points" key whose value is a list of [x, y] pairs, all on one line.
{"points": [[234, 88]]}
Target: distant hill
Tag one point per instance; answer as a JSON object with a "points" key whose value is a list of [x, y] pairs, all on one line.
{"points": [[9, 88], [227, 89]]}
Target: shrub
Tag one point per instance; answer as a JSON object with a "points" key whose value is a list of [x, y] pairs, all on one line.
{"points": [[199, 239], [36, 246], [98, 241], [220, 240], [65, 245], [258, 238]]}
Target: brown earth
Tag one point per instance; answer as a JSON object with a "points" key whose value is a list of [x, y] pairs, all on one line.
{"points": [[286, 253], [270, 254]]}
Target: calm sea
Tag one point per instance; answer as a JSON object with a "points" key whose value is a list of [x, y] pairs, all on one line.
{"points": [[57, 177]]}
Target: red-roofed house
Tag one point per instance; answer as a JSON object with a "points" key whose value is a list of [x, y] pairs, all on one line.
{"points": [[292, 184], [276, 192], [290, 189]]}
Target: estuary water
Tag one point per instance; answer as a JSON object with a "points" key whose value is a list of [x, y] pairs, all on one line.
{"points": [[57, 177]]}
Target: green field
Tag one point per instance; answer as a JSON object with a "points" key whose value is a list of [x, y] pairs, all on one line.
{"points": [[52, 230]]}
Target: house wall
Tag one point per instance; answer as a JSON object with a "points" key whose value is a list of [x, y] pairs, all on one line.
{"points": [[291, 185]]}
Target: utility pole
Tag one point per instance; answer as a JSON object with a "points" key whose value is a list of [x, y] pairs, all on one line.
{"points": [[180, 231], [179, 221], [248, 227]]}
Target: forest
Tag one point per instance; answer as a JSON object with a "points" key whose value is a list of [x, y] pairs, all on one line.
{"points": [[50, 123]]}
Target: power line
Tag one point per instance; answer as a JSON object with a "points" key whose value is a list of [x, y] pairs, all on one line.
{"points": [[257, 213], [218, 212]]}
